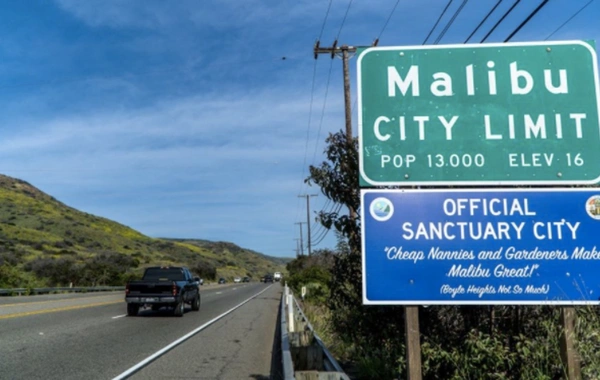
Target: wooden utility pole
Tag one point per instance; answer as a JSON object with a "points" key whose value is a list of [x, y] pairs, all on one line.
{"points": [[347, 95], [413, 336], [344, 51], [308, 244], [301, 239], [297, 247]]}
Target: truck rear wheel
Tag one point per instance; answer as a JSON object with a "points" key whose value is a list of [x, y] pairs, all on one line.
{"points": [[132, 309], [196, 303], [179, 309]]}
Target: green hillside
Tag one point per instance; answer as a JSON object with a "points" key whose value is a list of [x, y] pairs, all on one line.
{"points": [[236, 261], [44, 242]]}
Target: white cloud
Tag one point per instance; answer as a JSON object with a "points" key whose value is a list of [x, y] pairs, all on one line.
{"points": [[111, 13], [222, 14], [198, 166]]}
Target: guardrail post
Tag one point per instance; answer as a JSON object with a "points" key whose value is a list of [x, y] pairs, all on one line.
{"points": [[309, 357], [290, 313], [287, 362], [306, 354]]}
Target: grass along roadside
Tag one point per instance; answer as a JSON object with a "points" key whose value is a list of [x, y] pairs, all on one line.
{"points": [[541, 353], [319, 318]]}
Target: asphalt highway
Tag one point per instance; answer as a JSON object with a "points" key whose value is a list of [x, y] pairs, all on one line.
{"points": [[88, 336]]}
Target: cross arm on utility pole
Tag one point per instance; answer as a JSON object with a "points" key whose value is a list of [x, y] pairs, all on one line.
{"points": [[331, 50]]}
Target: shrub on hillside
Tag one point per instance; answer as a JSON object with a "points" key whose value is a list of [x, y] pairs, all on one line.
{"points": [[58, 272], [204, 270], [8, 258], [108, 269], [10, 277]]}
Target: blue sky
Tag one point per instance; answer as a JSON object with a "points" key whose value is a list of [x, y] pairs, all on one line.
{"points": [[198, 119]]}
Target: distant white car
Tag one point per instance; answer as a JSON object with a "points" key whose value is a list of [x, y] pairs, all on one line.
{"points": [[277, 276], [237, 279]]}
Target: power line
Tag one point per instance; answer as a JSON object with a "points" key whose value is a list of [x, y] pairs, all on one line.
{"points": [[322, 111], [570, 18], [344, 20], [328, 208], [387, 21], [310, 109], [327, 230], [307, 196], [325, 19], [311, 101], [312, 93], [531, 15], [319, 129], [437, 22], [318, 239], [325, 206], [449, 24], [318, 227], [320, 236], [297, 250], [500, 21], [301, 238], [344, 50], [322, 231], [483, 21]]}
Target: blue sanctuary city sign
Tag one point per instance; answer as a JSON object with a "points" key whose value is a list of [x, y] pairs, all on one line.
{"points": [[481, 246]]}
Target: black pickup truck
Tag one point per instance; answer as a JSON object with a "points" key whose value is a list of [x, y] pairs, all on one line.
{"points": [[163, 287]]}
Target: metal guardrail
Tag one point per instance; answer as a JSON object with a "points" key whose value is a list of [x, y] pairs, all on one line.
{"points": [[22, 291], [329, 362], [290, 309]]}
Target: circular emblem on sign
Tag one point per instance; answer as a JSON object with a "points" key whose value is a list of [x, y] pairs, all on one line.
{"points": [[592, 206], [381, 209]]}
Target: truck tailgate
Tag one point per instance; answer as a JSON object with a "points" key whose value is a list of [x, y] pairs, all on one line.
{"points": [[150, 288]]}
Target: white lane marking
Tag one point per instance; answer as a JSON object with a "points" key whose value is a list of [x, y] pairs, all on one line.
{"points": [[164, 350], [219, 293], [234, 288], [119, 316]]}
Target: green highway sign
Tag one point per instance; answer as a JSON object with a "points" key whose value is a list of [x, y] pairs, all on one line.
{"points": [[489, 114]]}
